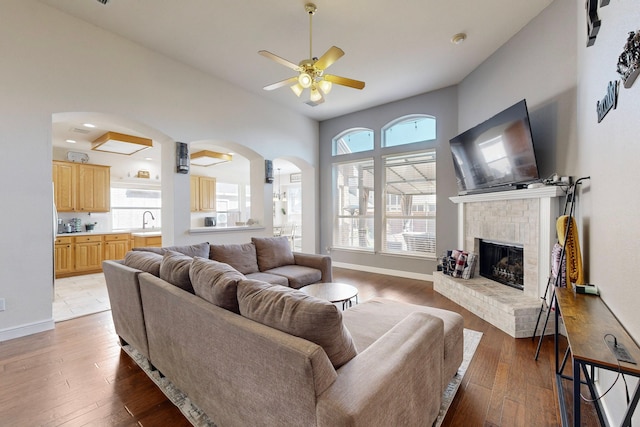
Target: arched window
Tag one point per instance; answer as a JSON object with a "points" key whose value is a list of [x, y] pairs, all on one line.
{"points": [[353, 141], [409, 129]]}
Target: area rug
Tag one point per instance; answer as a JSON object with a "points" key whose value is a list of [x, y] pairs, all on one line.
{"points": [[199, 419]]}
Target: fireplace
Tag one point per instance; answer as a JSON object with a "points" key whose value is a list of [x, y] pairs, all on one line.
{"points": [[525, 219], [502, 262]]}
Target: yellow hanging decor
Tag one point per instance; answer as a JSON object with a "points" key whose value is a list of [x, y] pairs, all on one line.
{"points": [[573, 258]]}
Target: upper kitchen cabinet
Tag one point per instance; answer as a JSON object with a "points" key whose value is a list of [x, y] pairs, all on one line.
{"points": [[203, 193], [64, 186], [81, 187]]}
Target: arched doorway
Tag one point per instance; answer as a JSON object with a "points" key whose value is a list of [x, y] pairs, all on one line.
{"points": [[132, 186]]}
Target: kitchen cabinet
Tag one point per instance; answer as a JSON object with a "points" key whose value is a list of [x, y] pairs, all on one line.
{"points": [[88, 254], [203, 193], [76, 255], [116, 245], [147, 241], [81, 187], [64, 186], [63, 255]]}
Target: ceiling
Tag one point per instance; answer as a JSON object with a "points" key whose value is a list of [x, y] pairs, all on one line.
{"points": [[399, 49]]}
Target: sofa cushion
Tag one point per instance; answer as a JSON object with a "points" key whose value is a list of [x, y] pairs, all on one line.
{"points": [[145, 261], [200, 249], [273, 252], [242, 257], [215, 282], [274, 279], [299, 314], [175, 270], [297, 275]]}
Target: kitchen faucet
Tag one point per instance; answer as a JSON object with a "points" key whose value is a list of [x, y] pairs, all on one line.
{"points": [[144, 222]]}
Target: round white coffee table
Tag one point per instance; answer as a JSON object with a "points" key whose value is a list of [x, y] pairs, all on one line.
{"points": [[333, 292]]}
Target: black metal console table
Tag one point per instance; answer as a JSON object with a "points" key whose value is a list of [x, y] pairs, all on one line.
{"points": [[588, 323]]}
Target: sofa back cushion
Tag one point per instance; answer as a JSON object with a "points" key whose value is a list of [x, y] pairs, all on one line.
{"points": [[273, 252], [145, 261], [175, 270], [215, 282], [200, 249], [242, 257], [296, 313]]}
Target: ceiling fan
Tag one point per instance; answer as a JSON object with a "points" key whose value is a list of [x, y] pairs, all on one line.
{"points": [[311, 71]]}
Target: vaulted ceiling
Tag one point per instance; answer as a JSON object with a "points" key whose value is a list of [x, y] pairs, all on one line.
{"points": [[399, 49]]}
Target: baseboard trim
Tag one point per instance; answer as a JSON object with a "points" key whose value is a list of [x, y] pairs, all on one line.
{"points": [[27, 329], [386, 271]]}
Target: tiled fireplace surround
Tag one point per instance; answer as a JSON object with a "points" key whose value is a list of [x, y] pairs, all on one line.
{"points": [[526, 217]]}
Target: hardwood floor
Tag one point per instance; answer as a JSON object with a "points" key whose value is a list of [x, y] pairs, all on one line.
{"points": [[77, 374]]}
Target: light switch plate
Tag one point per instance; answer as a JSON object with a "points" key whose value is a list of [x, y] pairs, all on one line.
{"points": [[1, 304]]}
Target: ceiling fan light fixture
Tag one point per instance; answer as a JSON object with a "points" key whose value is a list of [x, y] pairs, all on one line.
{"points": [[305, 80], [325, 86], [315, 94], [297, 89]]}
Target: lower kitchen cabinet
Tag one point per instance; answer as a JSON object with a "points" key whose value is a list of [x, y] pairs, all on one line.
{"points": [[63, 255], [76, 255], [88, 254], [147, 241], [116, 245]]}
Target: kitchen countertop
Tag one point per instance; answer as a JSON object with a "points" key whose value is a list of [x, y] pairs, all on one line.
{"points": [[99, 232], [220, 229]]}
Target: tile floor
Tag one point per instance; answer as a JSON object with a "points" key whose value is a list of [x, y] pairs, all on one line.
{"points": [[80, 295]]}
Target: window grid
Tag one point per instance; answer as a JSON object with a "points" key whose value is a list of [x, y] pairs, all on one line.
{"points": [[410, 204], [355, 205]]}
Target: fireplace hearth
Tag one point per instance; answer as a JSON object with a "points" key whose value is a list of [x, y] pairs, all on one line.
{"points": [[502, 262]]}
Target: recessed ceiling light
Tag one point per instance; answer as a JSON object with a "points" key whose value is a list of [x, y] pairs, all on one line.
{"points": [[458, 38], [88, 125], [148, 158], [71, 141]]}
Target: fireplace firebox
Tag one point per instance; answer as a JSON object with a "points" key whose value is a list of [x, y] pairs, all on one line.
{"points": [[502, 262]]}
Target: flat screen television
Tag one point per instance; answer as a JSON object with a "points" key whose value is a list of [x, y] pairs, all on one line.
{"points": [[497, 154]]}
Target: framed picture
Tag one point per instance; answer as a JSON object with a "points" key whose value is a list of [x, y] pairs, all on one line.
{"points": [[295, 177]]}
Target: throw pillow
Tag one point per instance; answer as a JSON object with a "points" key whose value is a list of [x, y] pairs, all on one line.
{"points": [[296, 313], [241, 257], [175, 270], [145, 261], [273, 252], [200, 249], [215, 282]]}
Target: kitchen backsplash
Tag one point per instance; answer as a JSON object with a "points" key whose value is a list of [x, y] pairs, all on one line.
{"points": [[102, 220]]}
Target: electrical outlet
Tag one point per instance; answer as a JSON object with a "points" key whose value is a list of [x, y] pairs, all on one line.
{"points": [[1, 304]]}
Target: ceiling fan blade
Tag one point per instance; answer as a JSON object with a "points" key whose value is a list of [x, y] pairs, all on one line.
{"points": [[285, 82], [279, 60], [356, 84], [330, 56]]}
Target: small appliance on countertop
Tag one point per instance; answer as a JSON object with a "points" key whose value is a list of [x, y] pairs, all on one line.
{"points": [[209, 221]]}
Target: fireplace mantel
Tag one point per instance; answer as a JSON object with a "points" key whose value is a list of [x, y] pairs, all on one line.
{"points": [[547, 191]]}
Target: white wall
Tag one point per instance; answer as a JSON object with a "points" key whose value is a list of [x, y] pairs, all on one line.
{"points": [[608, 153], [53, 63], [562, 80]]}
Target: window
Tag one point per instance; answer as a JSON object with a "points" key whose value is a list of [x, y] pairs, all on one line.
{"points": [[353, 141], [354, 202], [129, 204], [410, 204], [409, 129], [409, 221]]}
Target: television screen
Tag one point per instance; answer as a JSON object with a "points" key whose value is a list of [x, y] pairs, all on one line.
{"points": [[497, 154]]}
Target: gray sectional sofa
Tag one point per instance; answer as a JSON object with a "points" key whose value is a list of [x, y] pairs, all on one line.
{"points": [[249, 352]]}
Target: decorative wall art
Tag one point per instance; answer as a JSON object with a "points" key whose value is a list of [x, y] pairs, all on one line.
{"points": [[629, 60], [593, 21], [609, 101]]}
